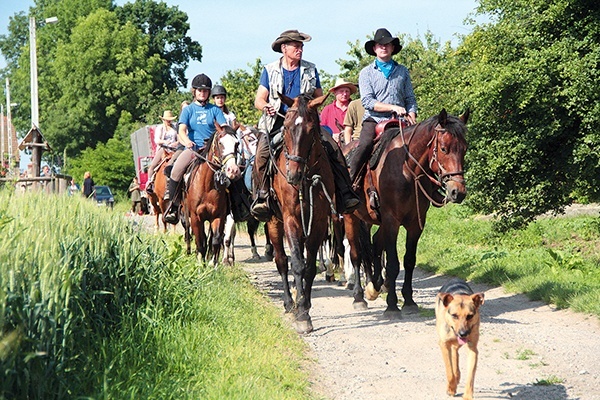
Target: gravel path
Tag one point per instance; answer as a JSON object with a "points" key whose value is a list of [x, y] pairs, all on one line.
{"points": [[361, 355]]}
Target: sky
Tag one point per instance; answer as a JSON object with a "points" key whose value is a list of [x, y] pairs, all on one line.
{"points": [[234, 33]]}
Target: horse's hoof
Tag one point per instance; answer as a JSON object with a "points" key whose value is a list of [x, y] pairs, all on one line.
{"points": [[350, 286], [360, 305], [410, 310], [330, 278], [392, 314], [370, 292], [303, 327]]}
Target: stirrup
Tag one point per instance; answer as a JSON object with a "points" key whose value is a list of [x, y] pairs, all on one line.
{"points": [[260, 210], [172, 215], [150, 187]]}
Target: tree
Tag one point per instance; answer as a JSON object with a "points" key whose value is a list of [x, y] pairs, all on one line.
{"points": [[166, 27], [241, 88]]}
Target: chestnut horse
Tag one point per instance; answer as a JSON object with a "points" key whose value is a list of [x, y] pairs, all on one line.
{"points": [[156, 197], [303, 186], [420, 166], [205, 198]]}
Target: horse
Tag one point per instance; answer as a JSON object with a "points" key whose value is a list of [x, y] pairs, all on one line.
{"points": [[419, 166], [246, 151], [156, 197], [302, 187], [206, 198]]}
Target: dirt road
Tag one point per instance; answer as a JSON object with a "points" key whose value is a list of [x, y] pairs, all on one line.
{"points": [[361, 355]]}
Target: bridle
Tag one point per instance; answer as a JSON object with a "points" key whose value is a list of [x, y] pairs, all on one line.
{"points": [[293, 157], [441, 177]]}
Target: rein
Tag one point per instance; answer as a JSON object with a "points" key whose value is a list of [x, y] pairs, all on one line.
{"points": [[313, 181], [441, 180]]}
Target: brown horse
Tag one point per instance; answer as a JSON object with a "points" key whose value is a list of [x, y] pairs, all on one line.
{"points": [[156, 197], [206, 198], [303, 185], [420, 166]]}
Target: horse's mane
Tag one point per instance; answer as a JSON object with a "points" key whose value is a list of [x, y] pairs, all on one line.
{"points": [[454, 125]]}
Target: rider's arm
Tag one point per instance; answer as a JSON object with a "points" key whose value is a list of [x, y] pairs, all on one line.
{"points": [[261, 101], [182, 135]]}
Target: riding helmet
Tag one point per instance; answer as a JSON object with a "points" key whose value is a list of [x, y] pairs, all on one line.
{"points": [[201, 82], [217, 90]]}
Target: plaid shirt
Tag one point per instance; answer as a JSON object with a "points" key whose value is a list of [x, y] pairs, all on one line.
{"points": [[397, 90]]}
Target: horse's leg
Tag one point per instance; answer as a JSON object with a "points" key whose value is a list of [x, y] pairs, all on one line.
{"points": [[389, 237], [252, 229], [338, 253], [306, 277], [268, 245], [199, 235], [410, 259], [378, 262], [275, 234], [352, 226], [228, 239], [217, 227]]}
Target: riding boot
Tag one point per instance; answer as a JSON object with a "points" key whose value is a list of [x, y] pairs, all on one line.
{"points": [[167, 171], [358, 159], [150, 186], [343, 185], [172, 214]]}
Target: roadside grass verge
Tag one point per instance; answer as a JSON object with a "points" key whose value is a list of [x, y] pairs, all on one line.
{"points": [[556, 260], [93, 307]]}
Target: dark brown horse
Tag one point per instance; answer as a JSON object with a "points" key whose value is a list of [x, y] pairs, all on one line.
{"points": [[205, 198], [420, 166], [303, 186]]}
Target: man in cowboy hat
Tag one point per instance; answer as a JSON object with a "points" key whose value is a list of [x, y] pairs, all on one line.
{"points": [[385, 89], [165, 135], [336, 111], [291, 76]]}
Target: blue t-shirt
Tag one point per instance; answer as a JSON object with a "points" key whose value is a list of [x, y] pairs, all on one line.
{"points": [[291, 82], [200, 121]]}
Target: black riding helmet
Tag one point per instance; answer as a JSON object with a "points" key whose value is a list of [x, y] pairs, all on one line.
{"points": [[217, 90], [201, 82]]}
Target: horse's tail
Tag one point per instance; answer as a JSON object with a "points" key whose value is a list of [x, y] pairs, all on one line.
{"points": [[366, 246]]}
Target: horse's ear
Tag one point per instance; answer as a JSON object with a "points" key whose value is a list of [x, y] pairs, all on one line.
{"points": [[464, 117], [218, 127], [338, 125], [316, 103], [286, 100], [443, 117]]}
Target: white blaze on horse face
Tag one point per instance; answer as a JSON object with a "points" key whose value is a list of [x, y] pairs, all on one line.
{"points": [[228, 142], [298, 121]]}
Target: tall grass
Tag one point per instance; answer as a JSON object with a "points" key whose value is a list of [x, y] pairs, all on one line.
{"points": [[93, 307], [556, 259]]}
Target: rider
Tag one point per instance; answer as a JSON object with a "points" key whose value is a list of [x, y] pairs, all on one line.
{"points": [[219, 95], [196, 127], [165, 135], [291, 76], [385, 88]]}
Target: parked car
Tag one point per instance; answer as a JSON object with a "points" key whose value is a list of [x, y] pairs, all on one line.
{"points": [[104, 196]]}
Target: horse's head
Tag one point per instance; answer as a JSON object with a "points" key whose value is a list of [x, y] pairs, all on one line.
{"points": [[301, 129], [447, 154], [228, 144]]}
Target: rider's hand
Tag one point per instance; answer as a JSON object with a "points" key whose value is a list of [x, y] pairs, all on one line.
{"points": [[411, 118], [269, 109], [399, 111], [190, 144]]}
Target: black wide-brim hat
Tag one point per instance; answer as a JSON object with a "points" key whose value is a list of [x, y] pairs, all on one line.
{"points": [[383, 36]]}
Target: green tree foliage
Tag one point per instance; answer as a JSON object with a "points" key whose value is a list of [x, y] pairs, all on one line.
{"points": [[532, 78], [241, 88], [111, 76], [166, 27]]}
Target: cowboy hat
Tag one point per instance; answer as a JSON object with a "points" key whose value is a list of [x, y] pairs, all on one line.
{"points": [[341, 82], [168, 115], [289, 36], [383, 36]]}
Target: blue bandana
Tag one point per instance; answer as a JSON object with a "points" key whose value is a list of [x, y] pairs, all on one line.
{"points": [[385, 67]]}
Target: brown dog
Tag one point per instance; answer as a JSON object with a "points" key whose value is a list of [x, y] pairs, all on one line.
{"points": [[457, 322]]}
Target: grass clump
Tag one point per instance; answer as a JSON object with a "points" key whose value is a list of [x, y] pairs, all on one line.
{"points": [[555, 260], [91, 306]]}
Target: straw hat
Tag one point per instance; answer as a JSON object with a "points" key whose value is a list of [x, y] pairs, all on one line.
{"points": [[168, 116], [290, 36], [341, 82], [383, 36]]}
